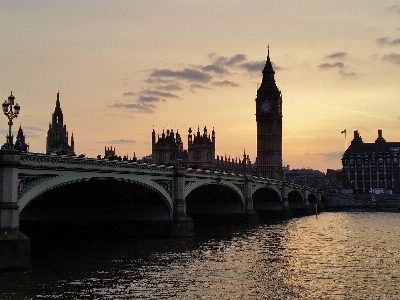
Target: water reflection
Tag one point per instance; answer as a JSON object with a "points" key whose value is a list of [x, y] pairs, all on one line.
{"points": [[337, 256]]}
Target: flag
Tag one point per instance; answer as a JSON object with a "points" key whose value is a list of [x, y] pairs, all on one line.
{"points": [[344, 131]]}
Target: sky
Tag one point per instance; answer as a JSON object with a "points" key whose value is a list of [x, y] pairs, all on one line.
{"points": [[124, 68]]}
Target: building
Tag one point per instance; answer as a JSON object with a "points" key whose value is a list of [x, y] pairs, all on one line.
{"points": [[269, 125], [201, 148], [57, 135], [20, 143], [372, 167], [168, 148], [307, 177], [109, 152]]}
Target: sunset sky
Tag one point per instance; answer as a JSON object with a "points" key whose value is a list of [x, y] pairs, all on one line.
{"points": [[126, 67]]}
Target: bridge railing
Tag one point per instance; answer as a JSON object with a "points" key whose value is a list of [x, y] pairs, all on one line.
{"points": [[39, 160]]}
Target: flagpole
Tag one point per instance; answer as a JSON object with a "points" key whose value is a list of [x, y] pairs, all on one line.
{"points": [[345, 139]]}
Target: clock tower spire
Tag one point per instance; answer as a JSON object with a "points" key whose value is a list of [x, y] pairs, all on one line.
{"points": [[269, 125]]}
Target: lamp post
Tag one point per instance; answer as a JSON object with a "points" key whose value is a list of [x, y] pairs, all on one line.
{"points": [[11, 111]]}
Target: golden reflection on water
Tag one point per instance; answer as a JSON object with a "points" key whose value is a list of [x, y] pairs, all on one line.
{"points": [[334, 256], [344, 256]]}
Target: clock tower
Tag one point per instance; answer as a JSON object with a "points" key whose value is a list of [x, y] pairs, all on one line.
{"points": [[269, 125]]}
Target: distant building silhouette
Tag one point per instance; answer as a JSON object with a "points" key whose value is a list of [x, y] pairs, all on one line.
{"points": [[201, 148], [168, 148], [109, 152], [57, 135], [20, 143], [368, 167]]}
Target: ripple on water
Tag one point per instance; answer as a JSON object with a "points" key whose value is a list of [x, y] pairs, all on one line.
{"points": [[337, 256]]}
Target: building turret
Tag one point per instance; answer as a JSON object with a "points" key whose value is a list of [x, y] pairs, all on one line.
{"points": [[190, 135], [153, 137], [168, 148], [380, 138], [20, 144], [201, 149]]}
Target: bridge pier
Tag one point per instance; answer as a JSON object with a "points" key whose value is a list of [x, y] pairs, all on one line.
{"points": [[319, 208], [251, 216], [307, 209], [181, 225], [286, 210], [14, 245]]}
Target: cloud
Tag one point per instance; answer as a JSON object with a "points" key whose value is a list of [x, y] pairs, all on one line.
{"points": [[129, 94], [215, 68], [225, 83], [120, 141], [227, 61], [157, 80], [393, 58], [387, 41], [160, 94], [327, 66], [332, 156], [195, 86], [336, 55], [255, 66], [147, 99], [188, 74], [238, 58], [349, 75], [394, 8], [135, 107], [170, 87]]}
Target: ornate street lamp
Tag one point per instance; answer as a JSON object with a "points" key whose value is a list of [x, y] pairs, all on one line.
{"points": [[11, 111]]}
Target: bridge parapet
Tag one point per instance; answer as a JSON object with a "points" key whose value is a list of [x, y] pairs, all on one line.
{"points": [[37, 160]]}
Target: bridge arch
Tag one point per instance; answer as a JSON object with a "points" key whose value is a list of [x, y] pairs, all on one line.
{"points": [[90, 190], [295, 199], [267, 199], [214, 198], [312, 200]]}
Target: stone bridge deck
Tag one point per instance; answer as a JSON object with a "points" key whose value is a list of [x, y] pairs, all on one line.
{"points": [[63, 179]]}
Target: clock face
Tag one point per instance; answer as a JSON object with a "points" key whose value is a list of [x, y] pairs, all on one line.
{"points": [[265, 106]]}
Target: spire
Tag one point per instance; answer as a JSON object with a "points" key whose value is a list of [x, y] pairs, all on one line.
{"points": [[268, 80], [58, 98], [268, 65]]}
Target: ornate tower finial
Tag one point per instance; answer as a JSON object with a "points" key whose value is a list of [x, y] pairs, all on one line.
{"points": [[268, 52]]}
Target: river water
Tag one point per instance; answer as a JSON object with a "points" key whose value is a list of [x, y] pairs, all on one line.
{"points": [[334, 256]]}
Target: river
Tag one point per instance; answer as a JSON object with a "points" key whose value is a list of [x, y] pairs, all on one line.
{"points": [[335, 256]]}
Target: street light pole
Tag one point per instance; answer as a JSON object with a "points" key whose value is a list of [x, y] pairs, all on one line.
{"points": [[11, 111]]}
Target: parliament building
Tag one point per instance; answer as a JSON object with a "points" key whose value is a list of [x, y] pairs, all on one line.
{"points": [[168, 148]]}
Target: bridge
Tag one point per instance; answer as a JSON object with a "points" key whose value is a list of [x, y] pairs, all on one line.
{"points": [[93, 189], [50, 188]]}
